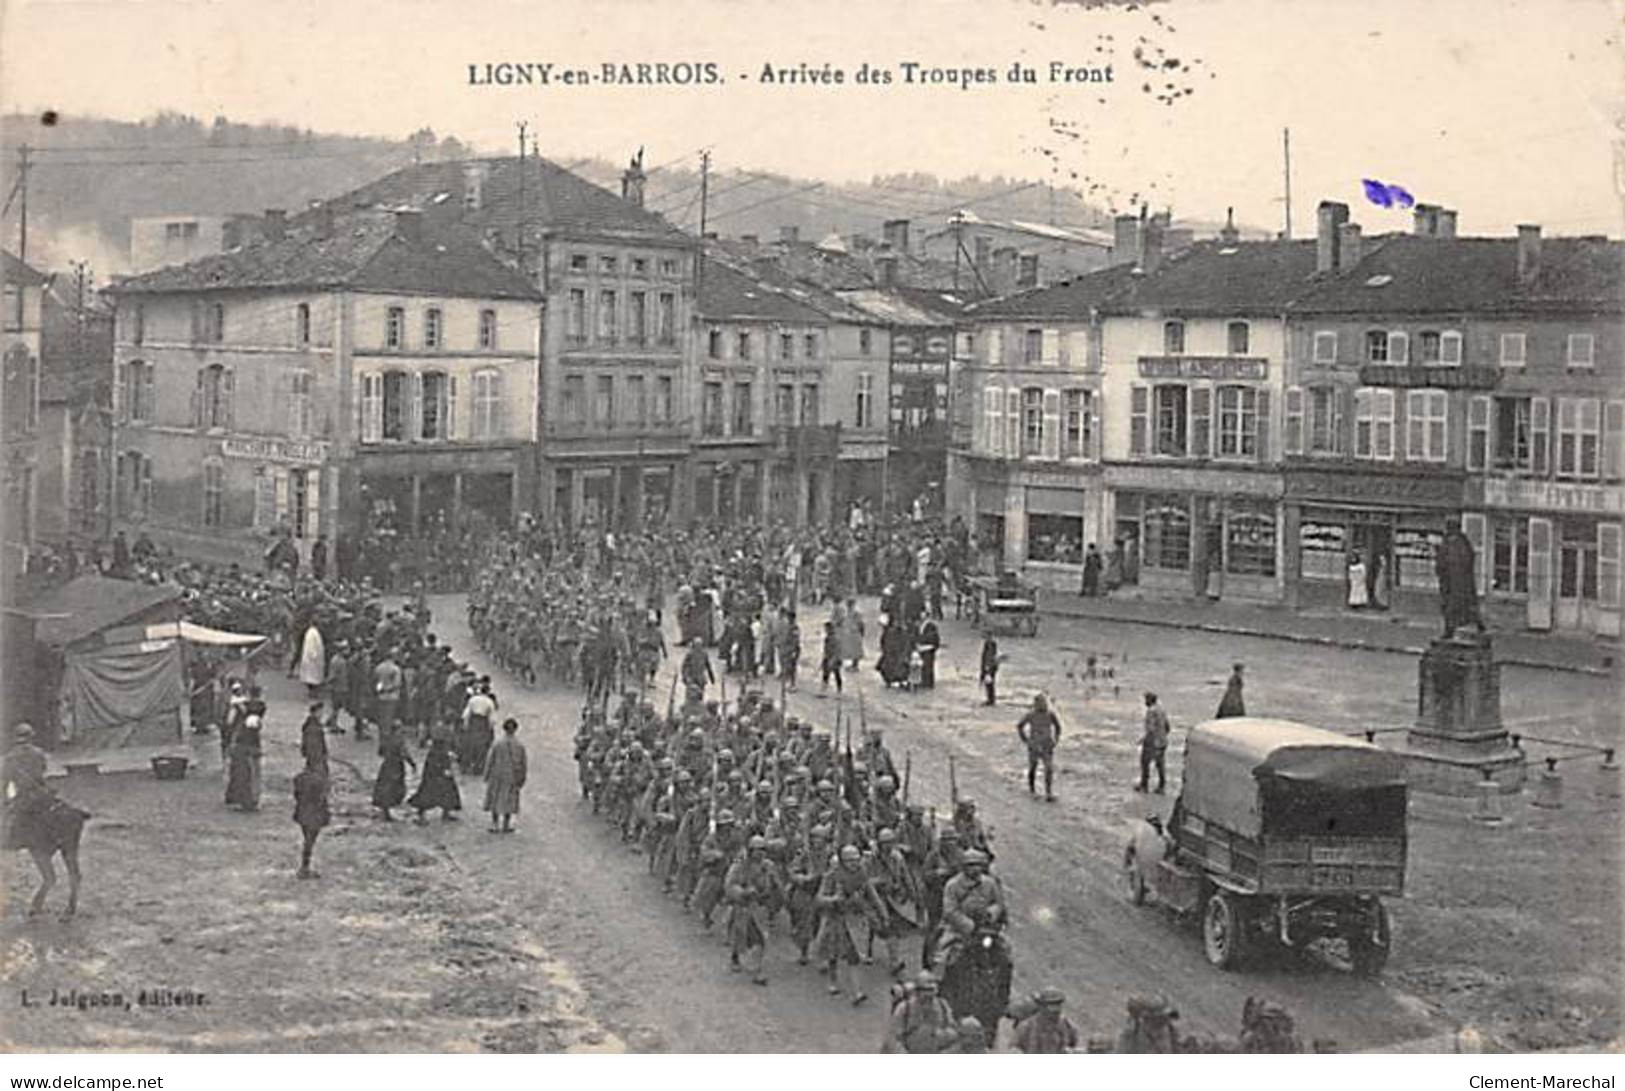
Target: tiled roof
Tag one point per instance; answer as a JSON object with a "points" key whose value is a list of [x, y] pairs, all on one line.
{"points": [[555, 199], [1072, 299], [1213, 277], [1459, 275], [728, 291], [894, 308], [363, 251], [13, 270]]}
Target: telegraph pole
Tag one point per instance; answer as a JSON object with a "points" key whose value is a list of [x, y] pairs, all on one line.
{"points": [[521, 243], [22, 183], [705, 187], [1286, 152]]}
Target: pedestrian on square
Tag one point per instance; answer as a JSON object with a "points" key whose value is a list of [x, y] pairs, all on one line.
{"points": [[1231, 703], [313, 737], [1040, 731], [504, 776], [1091, 572], [1046, 1030], [831, 662], [1153, 745], [989, 672], [437, 787], [386, 680], [389, 789], [310, 811], [243, 774]]}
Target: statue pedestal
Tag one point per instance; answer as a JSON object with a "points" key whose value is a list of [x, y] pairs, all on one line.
{"points": [[1458, 741]]}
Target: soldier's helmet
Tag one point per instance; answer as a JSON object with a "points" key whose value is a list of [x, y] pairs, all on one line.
{"points": [[886, 784], [850, 854], [789, 803], [684, 777], [665, 765], [975, 858], [725, 756], [926, 981], [1052, 997], [697, 736], [735, 776], [819, 832], [725, 818], [887, 836], [826, 786], [765, 787], [801, 772], [757, 843]]}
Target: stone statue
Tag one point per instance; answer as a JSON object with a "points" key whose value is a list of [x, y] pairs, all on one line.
{"points": [[1458, 587]]}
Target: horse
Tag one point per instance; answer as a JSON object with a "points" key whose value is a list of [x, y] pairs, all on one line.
{"points": [[976, 981], [54, 829]]}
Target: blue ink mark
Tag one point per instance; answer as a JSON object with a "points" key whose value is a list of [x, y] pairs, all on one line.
{"points": [[1377, 193], [1387, 196]]}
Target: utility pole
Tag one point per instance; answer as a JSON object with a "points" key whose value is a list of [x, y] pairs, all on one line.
{"points": [[959, 244], [22, 183], [705, 188], [1286, 151]]}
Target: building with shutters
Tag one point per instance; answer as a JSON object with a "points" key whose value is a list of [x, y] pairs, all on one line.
{"points": [[337, 371], [21, 327], [613, 417], [1138, 407], [1434, 377]]}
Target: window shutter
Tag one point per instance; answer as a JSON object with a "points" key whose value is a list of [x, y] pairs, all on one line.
{"points": [[1292, 441], [281, 495], [1077, 350], [313, 503], [1399, 348], [1472, 525], [498, 423], [995, 347], [284, 397], [993, 420], [1051, 348], [453, 423], [1263, 425], [1540, 436], [1012, 415], [146, 485], [374, 429], [1052, 424], [1613, 441], [198, 410], [1383, 424], [1478, 432], [228, 398], [1540, 573], [1416, 432], [1201, 421], [149, 400], [414, 423], [1091, 406], [1343, 419], [1608, 566], [1139, 428]]}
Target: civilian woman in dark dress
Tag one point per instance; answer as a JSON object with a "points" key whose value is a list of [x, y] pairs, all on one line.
{"points": [[927, 643], [390, 787], [437, 787], [243, 773]]}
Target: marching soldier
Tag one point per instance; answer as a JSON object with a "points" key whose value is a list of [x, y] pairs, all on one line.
{"points": [[849, 901], [921, 1022], [750, 886], [899, 895]]}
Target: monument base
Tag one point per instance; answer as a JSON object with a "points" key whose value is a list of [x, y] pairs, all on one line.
{"points": [[1443, 766], [1458, 741]]}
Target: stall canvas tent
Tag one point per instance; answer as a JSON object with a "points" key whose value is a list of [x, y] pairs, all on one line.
{"points": [[109, 656]]}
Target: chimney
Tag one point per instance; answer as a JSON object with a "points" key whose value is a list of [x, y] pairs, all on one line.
{"points": [[895, 232], [632, 180], [1155, 232], [1426, 220], [983, 249], [321, 220], [275, 224], [1027, 272], [789, 233], [1447, 223], [409, 224], [1332, 215], [1228, 235], [1528, 254], [886, 270], [1126, 239], [1350, 247], [1005, 263]]}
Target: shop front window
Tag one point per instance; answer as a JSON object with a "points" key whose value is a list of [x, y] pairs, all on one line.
{"points": [[1167, 532], [1055, 538], [1250, 542]]}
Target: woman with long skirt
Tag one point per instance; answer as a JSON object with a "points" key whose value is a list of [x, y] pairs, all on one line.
{"points": [[243, 773], [437, 787], [390, 788]]}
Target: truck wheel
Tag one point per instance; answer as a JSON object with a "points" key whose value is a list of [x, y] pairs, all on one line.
{"points": [[1132, 877], [1369, 944], [1221, 931]]}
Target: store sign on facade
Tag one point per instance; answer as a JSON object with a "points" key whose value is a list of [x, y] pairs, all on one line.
{"points": [[1553, 496], [1204, 367], [275, 450]]}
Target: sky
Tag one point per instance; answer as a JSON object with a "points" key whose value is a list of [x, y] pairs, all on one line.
{"points": [[1507, 111]]}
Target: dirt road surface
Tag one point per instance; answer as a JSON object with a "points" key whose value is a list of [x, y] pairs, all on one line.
{"points": [[447, 937]]}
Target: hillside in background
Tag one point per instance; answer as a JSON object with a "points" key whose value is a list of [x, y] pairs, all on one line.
{"points": [[91, 176]]}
